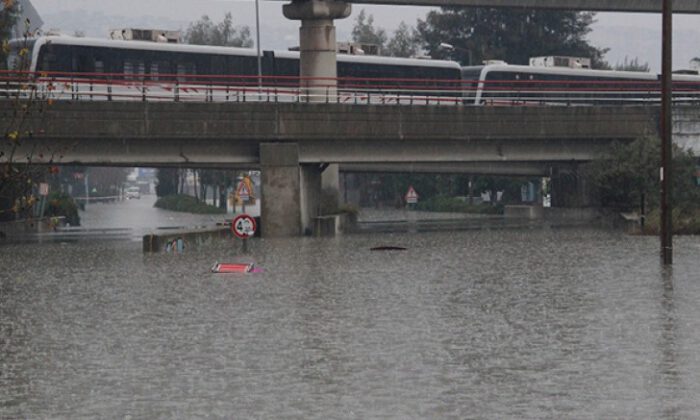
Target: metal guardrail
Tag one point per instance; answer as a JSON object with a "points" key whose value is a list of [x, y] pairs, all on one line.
{"points": [[361, 91]]}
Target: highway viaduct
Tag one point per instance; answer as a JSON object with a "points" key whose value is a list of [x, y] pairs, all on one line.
{"points": [[291, 143]]}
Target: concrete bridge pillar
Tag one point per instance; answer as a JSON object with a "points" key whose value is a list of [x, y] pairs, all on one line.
{"points": [[570, 188], [317, 44], [290, 191], [330, 185]]}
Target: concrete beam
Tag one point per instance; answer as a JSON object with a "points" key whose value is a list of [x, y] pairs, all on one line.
{"points": [[228, 134], [473, 168], [643, 6]]}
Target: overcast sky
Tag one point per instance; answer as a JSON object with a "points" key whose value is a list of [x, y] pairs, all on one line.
{"points": [[627, 35]]}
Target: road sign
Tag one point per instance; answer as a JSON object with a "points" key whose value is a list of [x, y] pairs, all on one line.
{"points": [[243, 192], [411, 196], [243, 226]]}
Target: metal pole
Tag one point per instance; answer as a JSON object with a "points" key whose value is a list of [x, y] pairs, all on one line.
{"points": [[87, 189], [666, 135], [257, 41]]}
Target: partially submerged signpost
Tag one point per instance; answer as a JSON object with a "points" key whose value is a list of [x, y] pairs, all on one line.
{"points": [[243, 226]]}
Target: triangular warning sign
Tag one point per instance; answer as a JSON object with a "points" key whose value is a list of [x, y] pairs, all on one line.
{"points": [[243, 191], [411, 195]]}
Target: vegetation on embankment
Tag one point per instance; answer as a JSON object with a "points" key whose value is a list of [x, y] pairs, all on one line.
{"points": [[628, 175], [442, 203], [684, 222], [186, 204]]}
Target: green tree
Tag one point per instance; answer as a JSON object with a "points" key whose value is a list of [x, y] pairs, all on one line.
{"points": [[224, 33], [8, 18], [406, 42], [206, 32], [632, 65], [19, 173], [513, 35], [365, 32], [167, 182], [630, 172]]}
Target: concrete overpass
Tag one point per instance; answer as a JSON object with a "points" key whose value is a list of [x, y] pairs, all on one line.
{"points": [[292, 143], [644, 6], [230, 134]]}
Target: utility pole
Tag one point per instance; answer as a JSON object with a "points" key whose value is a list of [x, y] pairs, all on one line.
{"points": [[666, 134]]}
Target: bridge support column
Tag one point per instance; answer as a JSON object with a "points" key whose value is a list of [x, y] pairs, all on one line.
{"points": [[290, 192], [570, 188], [330, 186], [317, 45]]}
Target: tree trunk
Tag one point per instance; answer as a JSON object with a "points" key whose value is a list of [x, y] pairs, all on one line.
{"points": [[222, 197]]}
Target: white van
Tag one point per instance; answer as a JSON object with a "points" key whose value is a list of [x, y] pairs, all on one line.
{"points": [[133, 192]]}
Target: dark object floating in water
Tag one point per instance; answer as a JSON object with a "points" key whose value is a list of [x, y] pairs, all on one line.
{"points": [[388, 248], [232, 268]]}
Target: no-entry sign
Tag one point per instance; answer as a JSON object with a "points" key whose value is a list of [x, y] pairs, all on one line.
{"points": [[243, 226]]}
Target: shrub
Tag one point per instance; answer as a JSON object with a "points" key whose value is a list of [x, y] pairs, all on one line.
{"points": [[187, 204], [61, 204], [444, 203]]}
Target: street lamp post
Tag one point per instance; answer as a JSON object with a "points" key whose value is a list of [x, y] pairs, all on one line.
{"points": [[257, 41]]}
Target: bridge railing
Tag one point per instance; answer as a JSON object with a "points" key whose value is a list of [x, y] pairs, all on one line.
{"points": [[347, 90]]}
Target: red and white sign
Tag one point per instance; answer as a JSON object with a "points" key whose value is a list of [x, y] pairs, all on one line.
{"points": [[243, 192], [411, 196], [243, 226]]}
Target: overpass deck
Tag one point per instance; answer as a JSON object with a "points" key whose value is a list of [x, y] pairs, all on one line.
{"points": [[229, 134]]}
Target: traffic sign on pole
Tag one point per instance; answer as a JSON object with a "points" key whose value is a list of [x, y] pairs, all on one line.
{"points": [[411, 196], [243, 226], [243, 192]]}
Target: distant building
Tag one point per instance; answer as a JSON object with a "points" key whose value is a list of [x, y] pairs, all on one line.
{"points": [[26, 11]]}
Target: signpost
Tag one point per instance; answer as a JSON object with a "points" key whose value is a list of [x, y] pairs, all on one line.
{"points": [[43, 193], [411, 196], [243, 194], [244, 226]]}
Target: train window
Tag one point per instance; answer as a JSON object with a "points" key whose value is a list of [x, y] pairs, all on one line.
{"points": [[184, 70], [287, 67], [134, 67], [218, 65], [63, 57], [48, 61], [83, 63], [159, 68]]}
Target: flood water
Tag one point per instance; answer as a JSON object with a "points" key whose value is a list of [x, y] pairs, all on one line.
{"points": [[531, 323]]}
